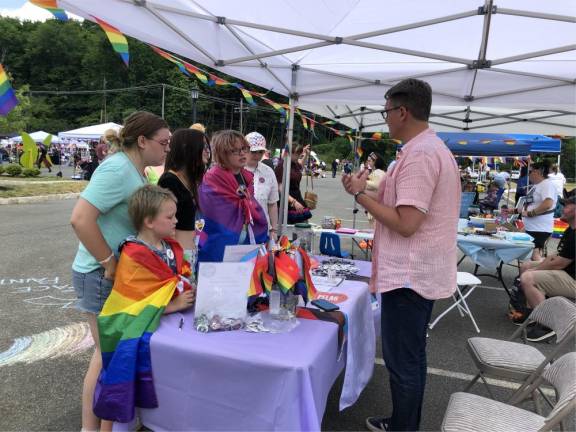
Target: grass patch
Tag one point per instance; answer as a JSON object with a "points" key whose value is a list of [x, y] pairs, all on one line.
{"points": [[31, 189], [50, 177]]}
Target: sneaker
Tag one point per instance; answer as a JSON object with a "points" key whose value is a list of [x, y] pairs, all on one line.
{"points": [[377, 423], [540, 333]]}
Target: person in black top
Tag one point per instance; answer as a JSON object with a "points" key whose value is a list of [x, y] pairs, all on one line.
{"points": [[555, 276], [183, 171], [297, 161]]}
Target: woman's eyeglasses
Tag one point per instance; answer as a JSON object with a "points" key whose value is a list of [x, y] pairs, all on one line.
{"points": [[239, 151], [163, 143]]}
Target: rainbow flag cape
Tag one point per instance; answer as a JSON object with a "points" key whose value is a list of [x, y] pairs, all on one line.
{"points": [[52, 7], [228, 212], [143, 286], [8, 99], [287, 271], [117, 39]]}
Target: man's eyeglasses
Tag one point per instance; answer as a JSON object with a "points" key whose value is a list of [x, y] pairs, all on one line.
{"points": [[239, 151], [386, 111]]}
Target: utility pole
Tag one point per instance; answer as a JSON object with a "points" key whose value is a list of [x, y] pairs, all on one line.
{"points": [[105, 113], [194, 94]]}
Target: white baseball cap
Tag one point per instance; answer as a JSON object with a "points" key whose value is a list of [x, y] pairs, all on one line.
{"points": [[257, 141]]}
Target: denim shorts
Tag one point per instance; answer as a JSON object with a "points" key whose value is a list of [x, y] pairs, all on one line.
{"points": [[92, 290]]}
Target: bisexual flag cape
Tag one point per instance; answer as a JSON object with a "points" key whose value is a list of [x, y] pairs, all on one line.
{"points": [[143, 286], [228, 211]]}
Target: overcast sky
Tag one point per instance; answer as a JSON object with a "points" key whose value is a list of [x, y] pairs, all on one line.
{"points": [[24, 10]]}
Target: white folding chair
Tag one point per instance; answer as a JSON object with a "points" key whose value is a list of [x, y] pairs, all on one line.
{"points": [[468, 282]]}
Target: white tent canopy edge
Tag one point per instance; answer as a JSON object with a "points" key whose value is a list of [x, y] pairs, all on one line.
{"points": [[472, 53]]}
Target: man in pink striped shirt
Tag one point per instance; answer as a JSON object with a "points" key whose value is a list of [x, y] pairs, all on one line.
{"points": [[414, 259]]}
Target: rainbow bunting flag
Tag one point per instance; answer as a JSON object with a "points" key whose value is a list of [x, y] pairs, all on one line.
{"points": [[287, 271], [117, 39], [377, 136], [197, 73], [52, 7], [303, 118], [359, 150], [274, 105], [329, 122], [217, 80], [171, 58], [246, 93], [143, 287], [8, 99]]}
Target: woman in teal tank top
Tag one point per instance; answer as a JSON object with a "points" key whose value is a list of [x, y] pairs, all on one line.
{"points": [[100, 220]]}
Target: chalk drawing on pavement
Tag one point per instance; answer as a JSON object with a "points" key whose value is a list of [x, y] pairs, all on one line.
{"points": [[66, 341], [53, 292]]}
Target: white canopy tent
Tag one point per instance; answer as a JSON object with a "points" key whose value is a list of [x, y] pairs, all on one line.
{"points": [[38, 136], [510, 54], [93, 132], [457, 118]]}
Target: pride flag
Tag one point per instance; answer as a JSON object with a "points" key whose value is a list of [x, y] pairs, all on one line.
{"points": [[143, 286], [246, 93], [117, 39], [171, 58], [359, 150], [7, 97], [52, 7], [311, 293], [287, 271]]}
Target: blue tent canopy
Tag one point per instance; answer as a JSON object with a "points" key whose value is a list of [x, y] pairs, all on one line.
{"points": [[489, 144]]}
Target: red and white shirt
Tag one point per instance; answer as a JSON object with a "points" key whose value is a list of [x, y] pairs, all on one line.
{"points": [[426, 177]]}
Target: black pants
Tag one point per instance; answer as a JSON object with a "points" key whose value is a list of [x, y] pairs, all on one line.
{"points": [[405, 318]]}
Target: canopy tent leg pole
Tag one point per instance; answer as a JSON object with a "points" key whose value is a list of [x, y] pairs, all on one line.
{"points": [[283, 222]]}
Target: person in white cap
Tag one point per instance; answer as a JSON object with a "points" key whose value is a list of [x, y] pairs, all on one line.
{"points": [[265, 185]]}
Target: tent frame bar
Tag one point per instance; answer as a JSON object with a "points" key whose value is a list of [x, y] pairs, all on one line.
{"points": [[533, 54], [245, 45], [539, 15]]}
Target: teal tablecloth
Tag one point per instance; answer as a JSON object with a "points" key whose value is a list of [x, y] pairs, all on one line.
{"points": [[489, 252]]}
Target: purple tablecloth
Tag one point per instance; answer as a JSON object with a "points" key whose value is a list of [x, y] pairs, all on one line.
{"points": [[245, 381]]}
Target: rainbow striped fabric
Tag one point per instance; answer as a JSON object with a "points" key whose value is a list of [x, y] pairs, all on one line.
{"points": [[117, 39], [287, 271], [8, 99], [143, 286], [228, 213], [52, 7]]}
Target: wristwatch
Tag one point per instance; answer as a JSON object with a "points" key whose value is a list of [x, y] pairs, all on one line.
{"points": [[357, 194]]}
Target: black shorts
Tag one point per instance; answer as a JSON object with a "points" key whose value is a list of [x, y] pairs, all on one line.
{"points": [[539, 238]]}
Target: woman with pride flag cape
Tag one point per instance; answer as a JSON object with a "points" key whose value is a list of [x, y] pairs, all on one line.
{"points": [[231, 213], [100, 220]]}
